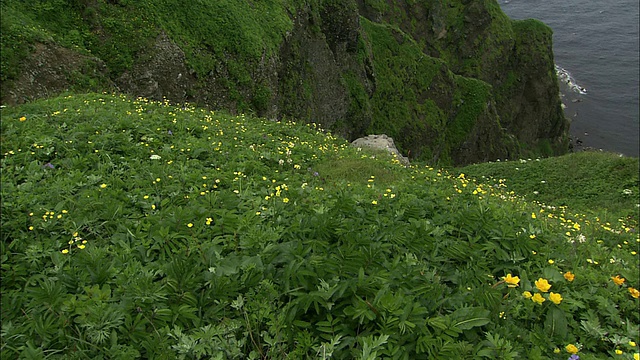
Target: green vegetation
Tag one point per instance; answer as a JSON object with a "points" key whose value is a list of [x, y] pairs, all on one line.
{"points": [[137, 229], [236, 58], [17, 33], [403, 74], [471, 99], [468, 48], [592, 183], [531, 32], [222, 38], [402, 110], [244, 31], [116, 34]]}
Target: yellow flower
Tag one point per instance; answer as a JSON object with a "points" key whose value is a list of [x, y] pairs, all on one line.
{"points": [[190, 225], [532, 236], [537, 298], [103, 186], [527, 295], [556, 351], [619, 352], [65, 251], [81, 247], [617, 280], [569, 276], [209, 221], [551, 262], [543, 285], [512, 281], [636, 356], [374, 202], [285, 200], [24, 118], [635, 293], [571, 349], [555, 298], [632, 343], [533, 215]]}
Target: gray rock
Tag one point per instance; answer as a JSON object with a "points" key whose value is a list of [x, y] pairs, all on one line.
{"points": [[380, 142]]}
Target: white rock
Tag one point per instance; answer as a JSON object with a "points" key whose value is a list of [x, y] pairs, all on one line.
{"points": [[381, 142]]}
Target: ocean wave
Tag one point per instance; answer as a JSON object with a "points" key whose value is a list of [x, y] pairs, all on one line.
{"points": [[565, 77]]}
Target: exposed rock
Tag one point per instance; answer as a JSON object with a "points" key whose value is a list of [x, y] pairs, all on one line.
{"points": [[52, 69], [380, 142], [161, 73]]}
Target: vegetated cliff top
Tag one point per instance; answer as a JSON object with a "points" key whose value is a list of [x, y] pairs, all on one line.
{"points": [[453, 82], [145, 229]]}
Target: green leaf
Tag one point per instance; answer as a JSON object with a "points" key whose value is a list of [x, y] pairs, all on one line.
{"points": [[439, 322], [302, 324], [556, 324], [468, 318], [552, 274]]}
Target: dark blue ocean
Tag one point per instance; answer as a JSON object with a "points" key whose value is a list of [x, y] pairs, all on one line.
{"points": [[596, 44]]}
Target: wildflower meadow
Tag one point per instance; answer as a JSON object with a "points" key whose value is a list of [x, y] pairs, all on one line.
{"points": [[138, 229]]}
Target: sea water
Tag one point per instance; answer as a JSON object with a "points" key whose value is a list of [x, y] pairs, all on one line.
{"points": [[596, 50]]}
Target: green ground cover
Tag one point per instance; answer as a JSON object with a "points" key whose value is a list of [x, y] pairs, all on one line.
{"points": [[596, 183], [138, 229]]}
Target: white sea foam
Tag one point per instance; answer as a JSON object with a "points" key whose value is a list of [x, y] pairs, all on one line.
{"points": [[565, 77]]}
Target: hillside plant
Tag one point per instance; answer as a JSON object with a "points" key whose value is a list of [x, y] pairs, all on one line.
{"points": [[134, 229]]}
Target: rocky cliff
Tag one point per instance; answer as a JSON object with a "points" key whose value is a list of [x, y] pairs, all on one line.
{"points": [[451, 81]]}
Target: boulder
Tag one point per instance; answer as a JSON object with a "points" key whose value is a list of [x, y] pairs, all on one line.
{"points": [[381, 142]]}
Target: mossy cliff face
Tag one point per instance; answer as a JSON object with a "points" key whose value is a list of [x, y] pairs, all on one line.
{"points": [[477, 40], [450, 81]]}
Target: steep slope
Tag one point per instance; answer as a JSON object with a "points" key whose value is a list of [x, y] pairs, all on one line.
{"points": [[452, 82]]}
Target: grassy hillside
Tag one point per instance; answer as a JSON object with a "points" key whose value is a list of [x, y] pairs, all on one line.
{"points": [[139, 229], [596, 183]]}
